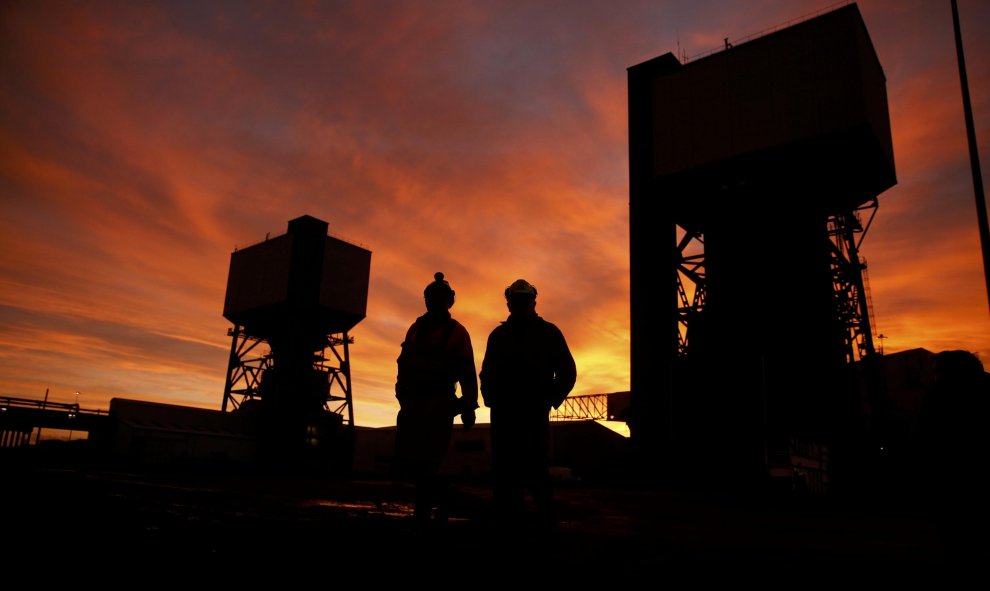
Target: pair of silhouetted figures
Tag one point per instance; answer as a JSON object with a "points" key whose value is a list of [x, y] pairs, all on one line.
{"points": [[955, 444], [527, 369]]}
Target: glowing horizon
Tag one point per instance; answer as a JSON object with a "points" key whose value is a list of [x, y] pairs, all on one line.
{"points": [[141, 144]]}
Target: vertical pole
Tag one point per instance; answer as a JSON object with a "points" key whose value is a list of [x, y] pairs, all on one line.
{"points": [[346, 366], [974, 156], [44, 405], [232, 362], [76, 415], [653, 263], [856, 268]]}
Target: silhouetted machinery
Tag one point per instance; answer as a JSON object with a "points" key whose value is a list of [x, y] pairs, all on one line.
{"points": [[754, 174], [292, 300]]}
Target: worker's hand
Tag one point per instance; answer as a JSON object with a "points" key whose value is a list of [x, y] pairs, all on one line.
{"points": [[468, 418]]}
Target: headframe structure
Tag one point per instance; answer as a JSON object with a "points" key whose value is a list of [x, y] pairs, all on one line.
{"points": [[293, 300], [754, 175]]}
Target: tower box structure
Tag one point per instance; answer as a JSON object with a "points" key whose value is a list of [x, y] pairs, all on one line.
{"points": [[802, 110], [295, 275], [751, 170], [293, 299]]}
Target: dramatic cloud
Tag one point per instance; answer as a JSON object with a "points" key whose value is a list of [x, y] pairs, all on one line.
{"points": [[141, 143]]}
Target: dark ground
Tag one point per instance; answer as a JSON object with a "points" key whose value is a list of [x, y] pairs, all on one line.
{"points": [[253, 524]]}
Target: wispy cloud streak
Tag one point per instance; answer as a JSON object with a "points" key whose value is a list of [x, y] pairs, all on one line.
{"points": [[141, 143]]}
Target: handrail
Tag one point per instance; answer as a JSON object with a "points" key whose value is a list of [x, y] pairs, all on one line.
{"points": [[764, 32], [14, 402]]}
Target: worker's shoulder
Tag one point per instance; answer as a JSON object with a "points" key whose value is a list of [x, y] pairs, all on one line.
{"points": [[547, 325], [458, 328], [537, 323]]}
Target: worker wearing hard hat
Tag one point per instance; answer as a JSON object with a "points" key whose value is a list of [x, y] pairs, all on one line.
{"points": [[436, 356], [527, 369]]}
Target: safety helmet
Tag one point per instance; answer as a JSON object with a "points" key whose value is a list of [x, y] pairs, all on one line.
{"points": [[520, 287], [439, 286]]}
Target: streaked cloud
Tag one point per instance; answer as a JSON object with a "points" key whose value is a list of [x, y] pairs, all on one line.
{"points": [[141, 143]]}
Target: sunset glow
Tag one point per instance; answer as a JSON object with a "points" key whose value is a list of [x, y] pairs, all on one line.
{"points": [[141, 143]]}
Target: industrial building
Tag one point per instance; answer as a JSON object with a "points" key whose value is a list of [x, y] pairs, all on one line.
{"points": [[754, 175]]}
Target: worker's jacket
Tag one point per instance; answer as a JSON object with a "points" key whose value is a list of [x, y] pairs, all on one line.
{"points": [[527, 366], [436, 356]]}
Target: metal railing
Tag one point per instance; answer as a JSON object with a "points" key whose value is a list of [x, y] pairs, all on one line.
{"points": [[728, 44], [7, 402]]}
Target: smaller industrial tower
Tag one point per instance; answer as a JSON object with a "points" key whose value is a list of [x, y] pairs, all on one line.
{"points": [[293, 299]]}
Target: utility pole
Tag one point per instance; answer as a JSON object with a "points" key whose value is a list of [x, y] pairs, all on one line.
{"points": [[974, 155], [44, 405]]}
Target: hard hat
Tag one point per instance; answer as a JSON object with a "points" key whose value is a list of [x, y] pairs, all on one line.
{"points": [[520, 286], [439, 286]]}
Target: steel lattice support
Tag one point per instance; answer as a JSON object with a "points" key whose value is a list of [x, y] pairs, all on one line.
{"points": [[338, 367], [846, 232], [690, 268], [251, 357], [582, 408]]}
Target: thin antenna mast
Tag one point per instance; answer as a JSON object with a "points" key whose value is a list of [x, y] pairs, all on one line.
{"points": [[974, 156]]}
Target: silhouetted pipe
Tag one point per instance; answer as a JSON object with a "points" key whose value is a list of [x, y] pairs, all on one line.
{"points": [[974, 156]]}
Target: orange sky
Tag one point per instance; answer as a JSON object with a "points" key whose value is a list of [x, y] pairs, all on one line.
{"points": [[140, 143]]}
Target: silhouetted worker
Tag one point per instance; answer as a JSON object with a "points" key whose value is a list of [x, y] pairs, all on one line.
{"points": [[436, 356], [954, 415], [527, 369]]}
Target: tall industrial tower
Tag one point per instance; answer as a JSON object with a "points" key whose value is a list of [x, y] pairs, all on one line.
{"points": [[754, 174], [293, 299]]}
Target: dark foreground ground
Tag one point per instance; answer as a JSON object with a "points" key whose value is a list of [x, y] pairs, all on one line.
{"points": [[191, 525]]}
